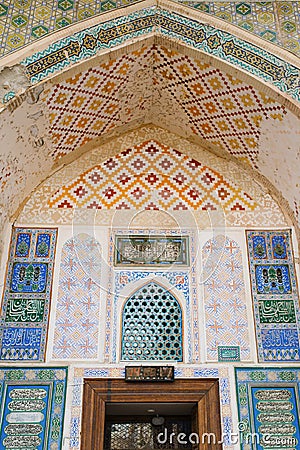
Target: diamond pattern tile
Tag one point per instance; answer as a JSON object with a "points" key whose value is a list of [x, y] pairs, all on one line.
{"points": [[137, 86], [151, 176]]}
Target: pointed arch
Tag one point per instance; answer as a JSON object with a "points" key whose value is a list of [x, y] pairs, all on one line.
{"points": [[152, 325]]}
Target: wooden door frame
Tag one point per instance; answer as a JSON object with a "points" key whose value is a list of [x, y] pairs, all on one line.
{"points": [[98, 392]]}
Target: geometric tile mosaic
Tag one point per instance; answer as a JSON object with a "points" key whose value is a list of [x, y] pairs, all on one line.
{"points": [[163, 21], [268, 406], [24, 22], [36, 210], [276, 22], [212, 104], [32, 407], [152, 325], [224, 297], [275, 295], [78, 302], [27, 294], [151, 176]]}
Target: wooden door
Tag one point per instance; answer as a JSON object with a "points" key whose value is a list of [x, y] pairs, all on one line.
{"points": [[204, 393]]}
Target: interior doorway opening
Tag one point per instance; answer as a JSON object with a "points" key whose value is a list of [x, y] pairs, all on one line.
{"points": [[116, 415], [149, 426]]}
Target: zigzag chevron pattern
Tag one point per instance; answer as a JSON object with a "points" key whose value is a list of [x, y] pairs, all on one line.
{"points": [[151, 176]]}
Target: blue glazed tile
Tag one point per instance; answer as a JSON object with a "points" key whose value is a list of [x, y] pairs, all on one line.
{"points": [[23, 245], [27, 294], [268, 405], [33, 404], [279, 247], [275, 295], [42, 248], [29, 277], [273, 279]]}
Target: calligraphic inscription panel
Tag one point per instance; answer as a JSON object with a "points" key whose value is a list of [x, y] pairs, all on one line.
{"points": [[32, 408], [275, 295], [27, 293], [275, 417], [151, 250], [268, 402]]}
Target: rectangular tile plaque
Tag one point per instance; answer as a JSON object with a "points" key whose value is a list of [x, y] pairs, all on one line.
{"points": [[145, 250]]}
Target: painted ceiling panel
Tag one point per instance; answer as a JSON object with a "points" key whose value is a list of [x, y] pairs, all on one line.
{"points": [[150, 85]]}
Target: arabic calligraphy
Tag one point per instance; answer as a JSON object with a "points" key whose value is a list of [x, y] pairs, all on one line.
{"points": [[277, 311], [21, 337], [269, 406], [26, 428], [277, 429], [26, 442], [280, 338], [25, 310], [275, 418], [26, 405], [20, 394], [135, 250], [273, 394]]}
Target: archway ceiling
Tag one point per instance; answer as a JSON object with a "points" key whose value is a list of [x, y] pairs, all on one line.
{"points": [[155, 84], [189, 94], [194, 96]]}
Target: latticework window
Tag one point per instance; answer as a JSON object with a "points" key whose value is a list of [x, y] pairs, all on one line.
{"points": [[152, 325]]}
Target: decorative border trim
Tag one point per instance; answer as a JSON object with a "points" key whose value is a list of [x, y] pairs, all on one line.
{"points": [[155, 19]]}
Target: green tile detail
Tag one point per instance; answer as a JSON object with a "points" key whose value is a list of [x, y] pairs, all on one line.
{"points": [[243, 9], [63, 22], [65, 5], [269, 35], [106, 6], [285, 9], [201, 6], [19, 21], [15, 41], [3, 10], [85, 14], [247, 25], [266, 18], [22, 3], [39, 31], [289, 27]]}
